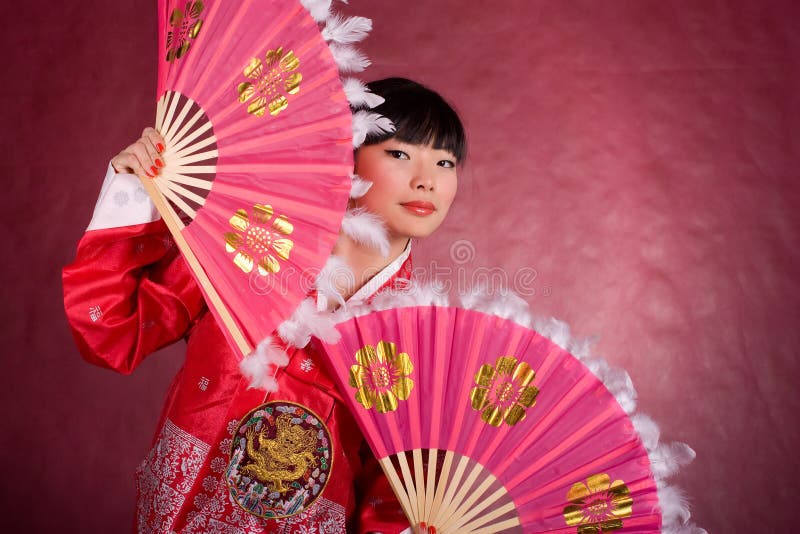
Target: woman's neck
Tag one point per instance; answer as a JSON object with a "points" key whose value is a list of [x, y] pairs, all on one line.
{"points": [[365, 262]]}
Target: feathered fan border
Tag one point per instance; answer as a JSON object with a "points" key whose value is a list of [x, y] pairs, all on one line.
{"points": [[665, 458]]}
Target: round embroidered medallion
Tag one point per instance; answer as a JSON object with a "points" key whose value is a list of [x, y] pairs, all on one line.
{"points": [[280, 460]]}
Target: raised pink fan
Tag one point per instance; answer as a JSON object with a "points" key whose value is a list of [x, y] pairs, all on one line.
{"points": [[258, 154], [483, 425]]}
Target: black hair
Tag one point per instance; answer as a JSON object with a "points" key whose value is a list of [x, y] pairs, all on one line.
{"points": [[420, 116]]}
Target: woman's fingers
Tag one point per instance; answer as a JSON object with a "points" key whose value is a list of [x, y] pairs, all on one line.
{"points": [[145, 153], [142, 157], [154, 144], [128, 162]]}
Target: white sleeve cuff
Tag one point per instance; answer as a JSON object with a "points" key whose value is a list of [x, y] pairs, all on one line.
{"points": [[122, 202]]}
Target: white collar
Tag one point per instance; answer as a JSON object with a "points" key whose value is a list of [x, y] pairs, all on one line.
{"points": [[374, 283]]}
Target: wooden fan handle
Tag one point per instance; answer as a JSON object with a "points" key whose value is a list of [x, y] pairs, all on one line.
{"points": [[175, 226], [398, 488]]}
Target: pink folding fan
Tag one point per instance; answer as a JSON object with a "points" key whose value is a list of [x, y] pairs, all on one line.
{"points": [[484, 425], [258, 154]]}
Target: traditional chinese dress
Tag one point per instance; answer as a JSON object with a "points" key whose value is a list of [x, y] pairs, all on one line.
{"points": [[129, 293]]}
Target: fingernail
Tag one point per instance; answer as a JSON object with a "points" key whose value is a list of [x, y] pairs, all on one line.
{"points": [[153, 169], [148, 174], [159, 147], [159, 163]]}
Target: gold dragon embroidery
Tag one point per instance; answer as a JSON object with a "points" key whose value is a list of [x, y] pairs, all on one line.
{"points": [[283, 459]]}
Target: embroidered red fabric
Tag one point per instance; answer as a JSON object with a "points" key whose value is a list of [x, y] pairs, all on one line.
{"points": [[129, 293]]}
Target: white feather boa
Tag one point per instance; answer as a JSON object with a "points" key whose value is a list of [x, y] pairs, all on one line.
{"points": [[359, 186], [367, 229], [335, 274], [307, 321], [260, 365]]}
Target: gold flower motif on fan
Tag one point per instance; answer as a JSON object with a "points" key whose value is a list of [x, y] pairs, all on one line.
{"points": [[381, 376], [503, 392], [599, 505], [184, 27], [270, 82], [258, 240]]}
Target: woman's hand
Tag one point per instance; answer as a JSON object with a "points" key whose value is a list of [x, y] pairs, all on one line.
{"points": [[142, 156]]}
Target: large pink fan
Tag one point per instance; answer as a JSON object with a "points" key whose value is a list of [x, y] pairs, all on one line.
{"points": [[483, 425], [258, 154]]}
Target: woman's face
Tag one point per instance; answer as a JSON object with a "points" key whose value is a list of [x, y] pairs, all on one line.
{"points": [[412, 185]]}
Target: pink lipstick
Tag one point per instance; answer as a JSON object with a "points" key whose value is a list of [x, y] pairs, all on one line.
{"points": [[419, 207]]}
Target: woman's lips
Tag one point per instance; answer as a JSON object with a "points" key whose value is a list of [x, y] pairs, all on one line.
{"points": [[419, 207]]}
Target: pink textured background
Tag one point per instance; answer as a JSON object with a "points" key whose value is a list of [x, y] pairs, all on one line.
{"points": [[633, 169]]}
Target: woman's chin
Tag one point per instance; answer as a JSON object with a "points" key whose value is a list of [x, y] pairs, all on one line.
{"points": [[414, 232]]}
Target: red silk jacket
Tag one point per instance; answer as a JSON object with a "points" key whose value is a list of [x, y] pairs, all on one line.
{"points": [[129, 293]]}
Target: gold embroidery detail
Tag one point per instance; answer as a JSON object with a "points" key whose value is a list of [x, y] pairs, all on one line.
{"points": [[185, 27], [255, 240], [502, 393], [381, 376], [599, 505], [272, 81], [274, 440], [283, 459]]}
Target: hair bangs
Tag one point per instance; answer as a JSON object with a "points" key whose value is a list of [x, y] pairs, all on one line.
{"points": [[420, 116]]}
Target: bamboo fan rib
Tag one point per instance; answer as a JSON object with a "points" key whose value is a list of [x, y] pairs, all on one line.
{"points": [[483, 425], [431, 492], [190, 155]]}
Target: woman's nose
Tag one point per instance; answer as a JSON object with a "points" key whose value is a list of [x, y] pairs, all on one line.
{"points": [[423, 181]]}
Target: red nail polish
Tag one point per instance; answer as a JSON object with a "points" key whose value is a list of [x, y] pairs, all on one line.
{"points": [[159, 163], [148, 174], [159, 147], [153, 169]]}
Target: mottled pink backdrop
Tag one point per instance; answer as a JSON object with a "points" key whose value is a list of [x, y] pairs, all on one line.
{"points": [[632, 170]]}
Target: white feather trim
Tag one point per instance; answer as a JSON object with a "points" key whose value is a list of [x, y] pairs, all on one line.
{"points": [[688, 528], [366, 228], [667, 458], [359, 186], [320, 9], [359, 95], [429, 293], [511, 306], [348, 58], [346, 30], [554, 330], [336, 273], [258, 366], [413, 293], [619, 383], [366, 122], [305, 322], [674, 506], [647, 429]]}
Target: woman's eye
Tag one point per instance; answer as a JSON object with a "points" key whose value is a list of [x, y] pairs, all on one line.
{"points": [[446, 163], [397, 154]]}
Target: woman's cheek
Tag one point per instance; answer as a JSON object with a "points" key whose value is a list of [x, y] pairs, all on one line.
{"points": [[373, 200]]}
